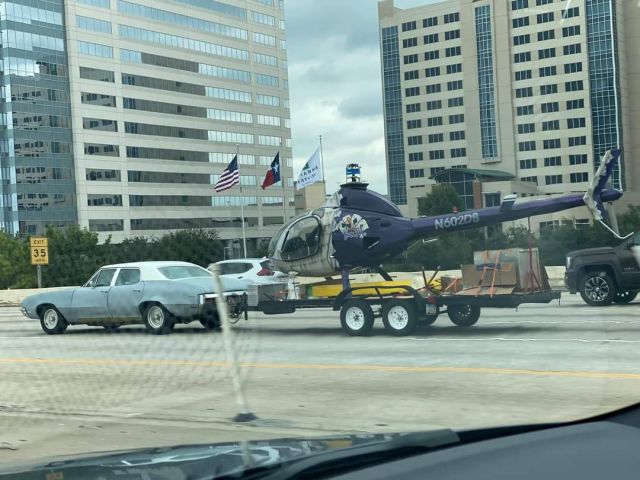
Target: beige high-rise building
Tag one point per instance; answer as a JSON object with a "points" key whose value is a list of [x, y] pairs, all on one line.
{"points": [[125, 113], [499, 97]]}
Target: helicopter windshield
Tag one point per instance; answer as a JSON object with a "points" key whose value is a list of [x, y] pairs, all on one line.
{"points": [[303, 239]]}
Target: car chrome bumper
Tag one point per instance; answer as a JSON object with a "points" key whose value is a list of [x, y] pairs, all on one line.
{"points": [[236, 301]]}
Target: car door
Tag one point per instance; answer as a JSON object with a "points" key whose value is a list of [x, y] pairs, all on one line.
{"points": [[89, 303], [125, 295]]}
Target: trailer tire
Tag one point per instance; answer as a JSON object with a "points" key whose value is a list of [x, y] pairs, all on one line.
{"points": [[356, 318], [463, 315], [399, 317]]}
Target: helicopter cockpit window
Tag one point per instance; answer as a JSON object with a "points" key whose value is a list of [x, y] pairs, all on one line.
{"points": [[303, 239]]}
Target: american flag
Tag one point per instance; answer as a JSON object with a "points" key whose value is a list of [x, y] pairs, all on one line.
{"points": [[230, 176]]}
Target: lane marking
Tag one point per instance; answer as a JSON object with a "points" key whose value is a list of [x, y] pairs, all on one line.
{"points": [[505, 339], [311, 366]]}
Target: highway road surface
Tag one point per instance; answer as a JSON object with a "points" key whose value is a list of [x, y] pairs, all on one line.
{"points": [[92, 390]]}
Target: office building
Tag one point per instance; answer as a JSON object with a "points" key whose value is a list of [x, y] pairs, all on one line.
{"points": [[499, 97], [120, 115]]}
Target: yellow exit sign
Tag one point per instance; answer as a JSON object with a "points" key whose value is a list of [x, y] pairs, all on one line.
{"points": [[39, 247]]}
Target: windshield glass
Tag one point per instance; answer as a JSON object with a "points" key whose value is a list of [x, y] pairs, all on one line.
{"points": [[425, 215], [179, 271]]}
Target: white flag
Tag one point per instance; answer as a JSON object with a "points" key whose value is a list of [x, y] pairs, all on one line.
{"points": [[311, 172]]}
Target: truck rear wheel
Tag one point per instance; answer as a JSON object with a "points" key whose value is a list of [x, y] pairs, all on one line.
{"points": [[463, 315], [356, 318], [597, 289], [625, 297], [399, 317]]}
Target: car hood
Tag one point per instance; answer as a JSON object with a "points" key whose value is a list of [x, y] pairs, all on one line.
{"points": [[205, 284], [58, 297], [194, 461]]}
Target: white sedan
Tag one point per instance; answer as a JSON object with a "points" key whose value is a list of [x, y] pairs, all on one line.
{"points": [[259, 271]]}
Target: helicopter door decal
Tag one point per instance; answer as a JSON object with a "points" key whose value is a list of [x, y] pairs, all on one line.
{"points": [[352, 226]]}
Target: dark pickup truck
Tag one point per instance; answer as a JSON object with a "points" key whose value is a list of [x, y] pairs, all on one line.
{"points": [[605, 275]]}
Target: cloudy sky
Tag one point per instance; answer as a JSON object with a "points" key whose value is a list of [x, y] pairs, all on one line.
{"points": [[335, 86]]}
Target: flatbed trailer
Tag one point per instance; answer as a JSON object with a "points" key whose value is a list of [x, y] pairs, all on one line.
{"points": [[402, 312]]}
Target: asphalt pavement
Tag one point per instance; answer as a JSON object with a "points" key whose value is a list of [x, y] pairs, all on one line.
{"points": [[93, 390]]}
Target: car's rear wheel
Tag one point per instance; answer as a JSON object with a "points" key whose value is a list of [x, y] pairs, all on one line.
{"points": [[211, 321], [52, 321], [625, 297], [157, 319]]}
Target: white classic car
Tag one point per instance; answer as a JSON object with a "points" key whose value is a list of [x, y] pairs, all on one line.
{"points": [[158, 294]]}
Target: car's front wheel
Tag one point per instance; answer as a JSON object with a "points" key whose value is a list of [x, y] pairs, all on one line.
{"points": [[52, 321], [597, 289], [157, 319]]}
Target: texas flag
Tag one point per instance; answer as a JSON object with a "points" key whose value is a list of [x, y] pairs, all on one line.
{"points": [[273, 174]]}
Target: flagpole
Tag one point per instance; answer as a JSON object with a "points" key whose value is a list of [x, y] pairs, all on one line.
{"points": [[324, 180], [244, 237], [284, 192]]}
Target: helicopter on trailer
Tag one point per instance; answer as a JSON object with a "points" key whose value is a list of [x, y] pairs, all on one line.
{"points": [[358, 227]]}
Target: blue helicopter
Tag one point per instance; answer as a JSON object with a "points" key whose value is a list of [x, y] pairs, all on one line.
{"points": [[360, 228]]}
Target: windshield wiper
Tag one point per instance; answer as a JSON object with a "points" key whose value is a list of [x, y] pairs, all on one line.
{"points": [[352, 458]]}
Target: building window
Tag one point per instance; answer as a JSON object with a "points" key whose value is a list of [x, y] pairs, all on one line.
{"points": [[571, 31], [551, 143], [546, 53], [434, 121], [435, 170], [579, 122], [520, 22], [458, 135], [579, 159], [416, 173], [410, 42], [545, 17], [93, 24], [436, 138], [454, 85], [434, 88], [415, 140], [571, 12], [429, 22], [452, 34], [547, 71], [99, 124], [529, 179], [412, 107], [432, 72], [454, 68], [575, 104], [95, 49], [98, 99], [527, 146], [430, 38], [453, 51], [573, 67], [436, 155], [521, 39], [434, 105], [414, 124], [543, 2], [455, 102], [546, 35], [550, 107], [552, 179], [416, 157], [550, 125], [408, 26], [548, 89], [574, 86], [530, 163], [524, 92], [523, 75], [97, 74], [524, 110], [452, 17], [432, 55], [526, 128], [519, 4], [572, 49], [411, 91], [458, 152], [522, 57], [576, 141], [552, 161], [412, 75], [579, 177], [408, 59], [457, 118]]}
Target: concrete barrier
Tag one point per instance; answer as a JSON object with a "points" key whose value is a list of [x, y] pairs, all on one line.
{"points": [[12, 298]]}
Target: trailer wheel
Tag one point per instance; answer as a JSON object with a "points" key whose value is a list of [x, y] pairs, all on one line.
{"points": [[399, 317], [356, 318], [463, 315]]}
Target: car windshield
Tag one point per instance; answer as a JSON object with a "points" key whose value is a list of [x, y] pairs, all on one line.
{"points": [[177, 272], [424, 214]]}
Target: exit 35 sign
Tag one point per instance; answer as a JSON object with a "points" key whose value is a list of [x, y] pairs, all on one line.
{"points": [[39, 250]]}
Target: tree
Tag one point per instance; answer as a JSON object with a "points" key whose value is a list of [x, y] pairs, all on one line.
{"points": [[440, 200], [74, 254], [16, 270], [198, 246]]}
